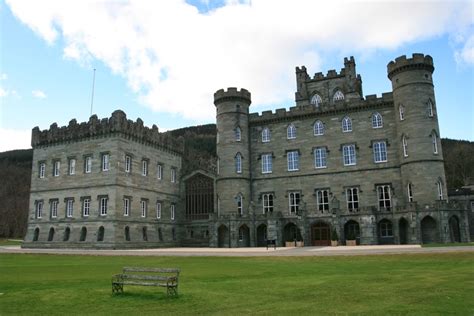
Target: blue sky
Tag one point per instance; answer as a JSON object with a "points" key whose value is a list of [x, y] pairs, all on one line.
{"points": [[163, 60]]}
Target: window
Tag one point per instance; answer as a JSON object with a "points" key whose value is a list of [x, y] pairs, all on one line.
{"points": [[430, 109], [405, 146], [240, 209], [173, 207], [158, 210], [267, 199], [346, 124], [266, 135], [100, 233], [237, 134], [386, 229], [401, 112], [377, 120], [294, 202], [241, 233], [159, 172], [143, 207], [105, 162], [320, 157], [410, 192], [267, 163], [144, 167], [88, 164], [318, 128], [56, 168], [434, 141], [383, 192], [293, 160], [103, 206], [39, 209], [126, 206], [72, 166], [439, 184], [86, 207], [54, 208], [316, 100], [349, 155], [128, 163], [338, 96], [291, 132], [41, 170], [69, 207], [380, 151], [322, 200], [238, 163], [173, 175], [352, 196]]}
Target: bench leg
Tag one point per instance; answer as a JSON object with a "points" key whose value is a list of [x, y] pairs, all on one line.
{"points": [[172, 290], [117, 287]]}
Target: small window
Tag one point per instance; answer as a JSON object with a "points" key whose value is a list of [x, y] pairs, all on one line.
{"points": [[434, 141], [158, 210], [293, 160], [380, 151], [237, 134], [56, 168], [266, 135], [72, 166], [352, 196], [383, 195], [410, 192], [439, 185], [338, 96], [291, 132], [173, 208], [103, 206], [101, 233], [316, 100], [39, 209], [318, 128], [159, 172], [320, 154], [401, 112], [86, 207], [238, 163], [144, 167], [322, 200], [41, 170], [377, 121], [69, 207], [349, 155], [405, 146], [267, 163], [105, 162], [386, 229], [346, 124], [143, 207], [128, 163], [173, 175], [294, 202], [126, 206], [88, 164], [267, 200], [127, 233], [240, 209], [430, 109], [54, 208]]}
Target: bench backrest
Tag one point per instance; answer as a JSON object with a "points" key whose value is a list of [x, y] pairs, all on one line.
{"points": [[152, 270]]}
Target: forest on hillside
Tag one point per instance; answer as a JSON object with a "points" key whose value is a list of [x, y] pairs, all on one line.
{"points": [[200, 152]]}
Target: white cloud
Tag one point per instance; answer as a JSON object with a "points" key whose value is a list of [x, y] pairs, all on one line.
{"points": [[38, 94], [3, 92], [175, 58], [14, 139], [466, 53], [3, 76]]}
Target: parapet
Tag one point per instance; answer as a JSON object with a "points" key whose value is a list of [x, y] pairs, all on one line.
{"points": [[232, 94], [402, 63], [117, 124]]}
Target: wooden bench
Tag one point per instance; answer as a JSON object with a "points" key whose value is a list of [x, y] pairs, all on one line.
{"points": [[272, 242], [143, 276]]}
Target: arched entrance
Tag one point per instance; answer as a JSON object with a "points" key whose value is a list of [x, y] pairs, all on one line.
{"points": [[385, 228], [454, 231], [244, 236], [223, 237], [352, 231], [403, 231], [429, 230], [51, 234], [67, 232], [291, 232], [36, 234], [83, 234], [262, 235], [100, 234], [321, 234]]}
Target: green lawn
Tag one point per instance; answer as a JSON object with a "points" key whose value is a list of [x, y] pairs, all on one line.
{"points": [[453, 244], [392, 284], [10, 242]]}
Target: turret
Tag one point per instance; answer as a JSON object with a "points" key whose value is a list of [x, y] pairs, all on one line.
{"points": [[421, 156]]}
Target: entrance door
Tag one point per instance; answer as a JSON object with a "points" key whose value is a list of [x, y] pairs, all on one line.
{"points": [[454, 231], [403, 231], [321, 234], [262, 235]]}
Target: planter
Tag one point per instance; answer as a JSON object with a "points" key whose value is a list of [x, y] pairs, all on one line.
{"points": [[300, 244], [351, 242], [289, 243], [334, 243]]}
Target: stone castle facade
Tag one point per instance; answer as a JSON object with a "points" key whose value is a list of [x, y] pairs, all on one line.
{"points": [[365, 169]]}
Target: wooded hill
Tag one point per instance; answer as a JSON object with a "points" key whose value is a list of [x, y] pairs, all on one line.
{"points": [[200, 152]]}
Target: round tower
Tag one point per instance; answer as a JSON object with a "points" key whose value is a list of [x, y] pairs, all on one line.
{"points": [[233, 180], [420, 153]]}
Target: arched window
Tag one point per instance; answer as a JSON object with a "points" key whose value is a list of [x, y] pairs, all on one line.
{"points": [[439, 185], [240, 209], [430, 109], [238, 163], [265, 135], [434, 141], [67, 232], [338, 95], [51, 234], [238, 134], [83, 234], [316, 100], [410, 192], [36, 234], [405, 146], [100, 234], [346, 124], [291, 132], [127, 233], [401, 111], [318, 128], [377, 120]]}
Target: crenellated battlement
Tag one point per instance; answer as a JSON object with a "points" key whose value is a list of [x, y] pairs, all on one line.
{"points": [[116, 124], [402, 63], [232, 94]]}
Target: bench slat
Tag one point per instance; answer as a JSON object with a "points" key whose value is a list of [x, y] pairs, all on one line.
{"points": [[145, 283], [146, 269], [145, 277]]}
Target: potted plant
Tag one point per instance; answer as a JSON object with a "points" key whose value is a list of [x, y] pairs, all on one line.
{"points": [[351, 239], [334, 238]]}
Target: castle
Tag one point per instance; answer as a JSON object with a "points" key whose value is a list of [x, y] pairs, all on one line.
{"points": [[365, 169]]}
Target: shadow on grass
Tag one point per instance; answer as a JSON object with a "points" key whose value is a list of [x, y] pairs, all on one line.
{"points": [[144, 296]]}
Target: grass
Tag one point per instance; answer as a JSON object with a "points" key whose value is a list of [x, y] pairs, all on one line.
{"points": [[388, 284], [10, 242], [454, 244]]}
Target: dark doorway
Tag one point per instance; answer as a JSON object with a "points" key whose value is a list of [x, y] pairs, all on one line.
{"points": [[244, 236], [51, 234], [222, 236], [429, 230], [385, 233], [403, 231], [144, 234], [67, 233], [291, 232], [36, 234], [454, 231], [352, 230], [100, 234], [321, 234], [83, 234], [127, 233], [262, 235]]}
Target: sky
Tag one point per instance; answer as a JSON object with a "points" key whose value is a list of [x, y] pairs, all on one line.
{"points": [[163, 60]]}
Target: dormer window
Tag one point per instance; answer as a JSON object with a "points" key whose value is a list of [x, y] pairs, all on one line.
{"points": [[346, 124], [377, 120], [316, 100], [338, 96], [238, 134], [291, 132]]}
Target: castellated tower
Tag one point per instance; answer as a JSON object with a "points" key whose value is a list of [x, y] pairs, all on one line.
{"points": [[233, 180], [420, 153]]}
